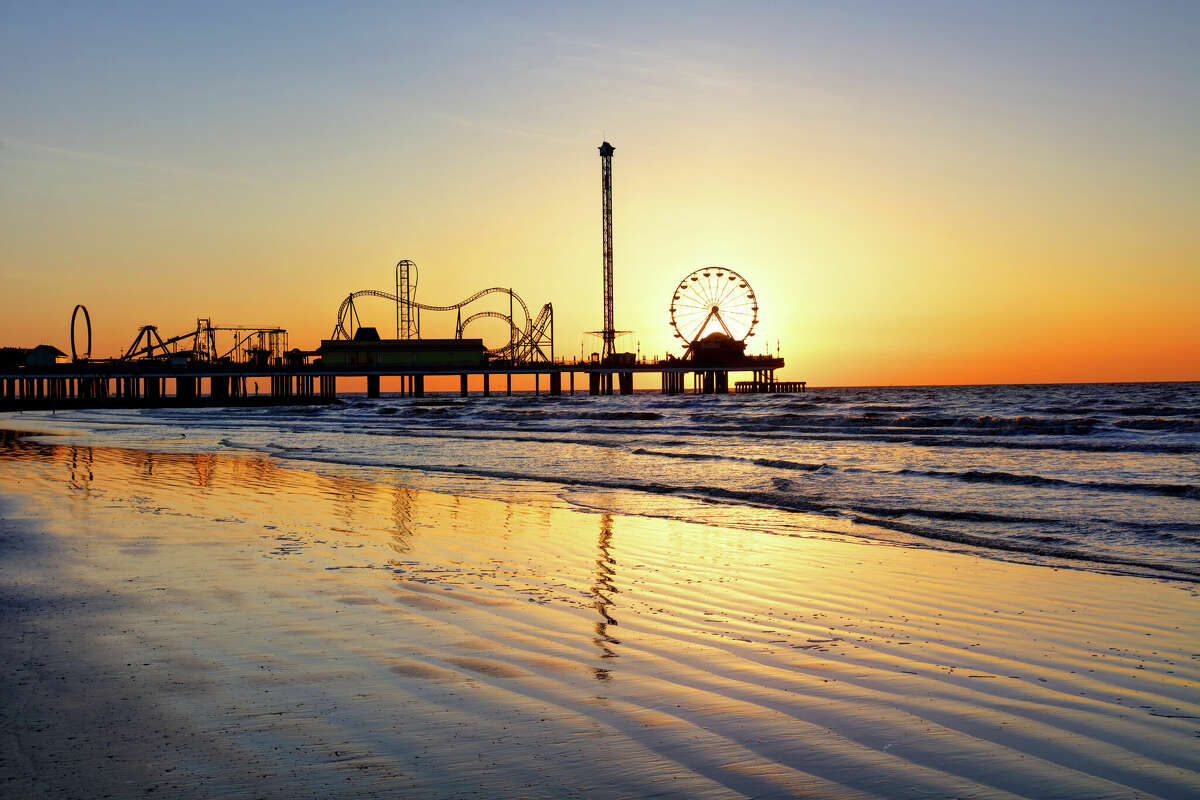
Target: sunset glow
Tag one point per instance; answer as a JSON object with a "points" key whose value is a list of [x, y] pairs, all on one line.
{"points": [[943, 195]]}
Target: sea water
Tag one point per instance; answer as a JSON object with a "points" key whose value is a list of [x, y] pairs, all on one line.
{"points": [[1092, 476]]}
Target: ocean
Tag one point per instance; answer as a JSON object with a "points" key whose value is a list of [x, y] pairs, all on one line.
{"points": [[1101, 477]]}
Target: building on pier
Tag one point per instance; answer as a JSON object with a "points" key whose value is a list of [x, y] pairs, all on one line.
{"points": [[44, 355], [717, 348], [368, 350]]}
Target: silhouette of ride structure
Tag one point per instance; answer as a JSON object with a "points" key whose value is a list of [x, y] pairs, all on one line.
{"points": [[713, 311]]}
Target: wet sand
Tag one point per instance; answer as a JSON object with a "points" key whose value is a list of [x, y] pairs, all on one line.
{"points": [[204, 626]]}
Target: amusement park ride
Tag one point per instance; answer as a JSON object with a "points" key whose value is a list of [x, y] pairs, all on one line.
{"points": [[531, 341], [713, 311], [250, 344]]}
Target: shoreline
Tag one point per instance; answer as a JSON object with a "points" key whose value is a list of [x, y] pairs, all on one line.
{"points": [[889, 529], [346, 638]]}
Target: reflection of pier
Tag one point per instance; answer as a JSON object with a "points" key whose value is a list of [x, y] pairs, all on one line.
{"points": [[602, 589], [97, 384]]}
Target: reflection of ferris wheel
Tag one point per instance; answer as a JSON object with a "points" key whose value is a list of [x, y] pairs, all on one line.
{"points": [[714, 300]]}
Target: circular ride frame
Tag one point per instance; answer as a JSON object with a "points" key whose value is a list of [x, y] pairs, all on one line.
{"points": [[713, 294]]}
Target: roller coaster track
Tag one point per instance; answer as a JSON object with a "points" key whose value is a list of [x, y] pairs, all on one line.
{"points": [[522, 338], [516, 335]]}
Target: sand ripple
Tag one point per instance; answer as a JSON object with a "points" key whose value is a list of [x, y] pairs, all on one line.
{"points": [[352, 639]]}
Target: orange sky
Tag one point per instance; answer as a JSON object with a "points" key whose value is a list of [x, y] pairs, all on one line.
{"points": [[973, 197]]}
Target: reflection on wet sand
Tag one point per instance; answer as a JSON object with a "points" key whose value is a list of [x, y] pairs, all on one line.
{"points": [[80, 466], [402, 503], [603, 588], [347, 638]]}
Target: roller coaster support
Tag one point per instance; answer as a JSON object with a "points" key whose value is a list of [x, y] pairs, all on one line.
{"points": [[153, 342]]}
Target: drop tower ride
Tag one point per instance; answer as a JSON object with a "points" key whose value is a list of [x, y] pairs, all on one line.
{"points": [[608, 334]]}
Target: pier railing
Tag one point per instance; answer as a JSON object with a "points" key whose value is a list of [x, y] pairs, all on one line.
{"points": [[766, 387]]}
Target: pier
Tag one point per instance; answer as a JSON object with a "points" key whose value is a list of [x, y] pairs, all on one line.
{"points": [[713, 312], [143, 384]]}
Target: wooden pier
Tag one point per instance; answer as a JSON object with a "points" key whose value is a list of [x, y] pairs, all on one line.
{"points": [[97, 384]]}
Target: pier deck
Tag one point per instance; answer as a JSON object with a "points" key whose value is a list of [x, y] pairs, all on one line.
{"points": [[96, 384]]}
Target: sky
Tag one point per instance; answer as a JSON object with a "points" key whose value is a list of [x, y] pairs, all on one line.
{"points": [[918, 192]]}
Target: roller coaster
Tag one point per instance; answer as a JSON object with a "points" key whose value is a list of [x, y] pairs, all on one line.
{"points": [[531, 341]]}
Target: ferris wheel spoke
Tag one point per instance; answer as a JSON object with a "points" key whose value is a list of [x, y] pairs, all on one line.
{"points": [[722, 300], [730, 291], [713, 284], [725, 296]]}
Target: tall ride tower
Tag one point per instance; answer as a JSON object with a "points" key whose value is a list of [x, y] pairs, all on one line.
{"points": [[609, 334], [408, 324]]}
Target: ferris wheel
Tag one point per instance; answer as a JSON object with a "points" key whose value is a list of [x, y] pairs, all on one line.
{"points": [[714, 300]]}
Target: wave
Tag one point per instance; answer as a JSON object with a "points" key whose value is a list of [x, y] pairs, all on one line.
{"points": [[746, 496], [984, 476], [1160, 424], [1159, 411], [761, 462], [1183, 490], [910, 520], [752, 430], [1079, 445], [639, 415], [1019, 468], [1046, 546], [1015, 426]]}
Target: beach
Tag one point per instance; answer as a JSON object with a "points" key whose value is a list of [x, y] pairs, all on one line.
{"points": [[647, 400], [207, 625]]}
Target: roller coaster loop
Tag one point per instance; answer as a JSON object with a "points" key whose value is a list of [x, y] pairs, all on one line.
{"points": [[87, 318]]}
